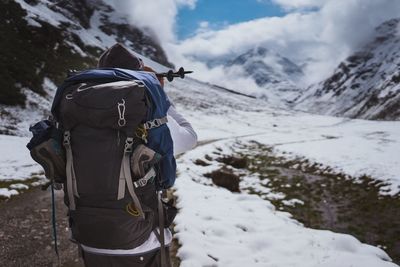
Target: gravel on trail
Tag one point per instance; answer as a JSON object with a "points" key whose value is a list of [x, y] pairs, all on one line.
{"points": [[26, 231]]}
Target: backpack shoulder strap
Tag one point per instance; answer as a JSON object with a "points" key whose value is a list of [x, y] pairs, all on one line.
{"points": [[125, 177]]}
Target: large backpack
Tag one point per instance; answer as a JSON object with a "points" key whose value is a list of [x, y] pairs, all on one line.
{"points": [[104, 115]]}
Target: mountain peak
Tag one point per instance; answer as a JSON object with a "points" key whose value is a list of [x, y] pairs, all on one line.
{"points": [[268, 65], [260, 51], [389, 28]]}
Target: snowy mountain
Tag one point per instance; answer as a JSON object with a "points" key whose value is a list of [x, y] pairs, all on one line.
{"points": [[267, 67], [366, 85], [43, 39], [275, 76]]}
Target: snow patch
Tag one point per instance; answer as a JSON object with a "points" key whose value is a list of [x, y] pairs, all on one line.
{"points": [[4, 192], [19, 186], [15, 160], [44, 13]]}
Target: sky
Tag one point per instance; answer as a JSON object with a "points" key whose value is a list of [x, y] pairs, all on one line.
{"points": [[215, 14], [315, 34]]}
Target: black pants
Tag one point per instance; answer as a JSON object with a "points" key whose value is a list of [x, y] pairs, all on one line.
{"points": [[150, 259]]}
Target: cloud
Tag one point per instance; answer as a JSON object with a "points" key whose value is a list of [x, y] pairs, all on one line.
{"points": [[315, 33], [319, 38], [156, 16], [297, 4]]}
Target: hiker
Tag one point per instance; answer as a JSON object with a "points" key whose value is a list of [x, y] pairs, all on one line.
{"points": [[120, 134], [184, 138]]}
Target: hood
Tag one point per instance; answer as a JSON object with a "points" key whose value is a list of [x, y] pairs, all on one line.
{"points": [[119, 56]]}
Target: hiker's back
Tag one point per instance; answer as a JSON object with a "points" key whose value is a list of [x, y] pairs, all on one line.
{"points": [[97, 119], [119, 154]]}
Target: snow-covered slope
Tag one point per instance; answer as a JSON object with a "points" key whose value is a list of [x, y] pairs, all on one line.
{"points": [[214, 226], [353, 146], [270, 71], [218, 228], [366, 85], [267, 67], [43, 39]]}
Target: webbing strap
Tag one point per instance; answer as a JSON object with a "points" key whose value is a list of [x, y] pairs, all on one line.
{"points": [[161, 227], [145, 179], [74, 185], [72, 189], [125, 177], [155, 123]]}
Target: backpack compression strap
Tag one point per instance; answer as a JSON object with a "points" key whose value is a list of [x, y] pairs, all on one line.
{"points": [[72, 188], [125, 177]]}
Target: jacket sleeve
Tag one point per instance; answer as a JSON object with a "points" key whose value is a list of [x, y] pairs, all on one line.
{"points": [[183, 136]]}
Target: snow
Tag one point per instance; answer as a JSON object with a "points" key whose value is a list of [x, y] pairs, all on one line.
{"points": [[42, 11], [355, 147], [218, 228], [372, 71], [15, 160], [4, 192], [94, 36], [19, 186]]}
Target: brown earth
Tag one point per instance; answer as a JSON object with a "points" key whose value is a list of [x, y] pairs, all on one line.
{"points": [[26, 232]]}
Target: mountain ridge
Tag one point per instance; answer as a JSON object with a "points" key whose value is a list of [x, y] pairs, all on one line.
{"points": [[275, 76], [366, 85], [46, 38]]}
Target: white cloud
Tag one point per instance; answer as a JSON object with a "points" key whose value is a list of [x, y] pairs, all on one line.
{"points": [[157, 16], [298, 4], [321, 37], [318, 33]]}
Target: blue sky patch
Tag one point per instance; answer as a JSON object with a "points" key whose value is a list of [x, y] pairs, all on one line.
{"points": [[219, 13]]}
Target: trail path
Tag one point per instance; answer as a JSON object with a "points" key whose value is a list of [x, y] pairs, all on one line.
{"points": [[26, 232]]}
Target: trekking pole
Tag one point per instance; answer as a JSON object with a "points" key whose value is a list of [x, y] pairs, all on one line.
{"points": [[170, 75], [54, 221]]}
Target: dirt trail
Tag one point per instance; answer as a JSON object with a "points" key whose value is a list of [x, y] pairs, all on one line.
{"points": [[26, 231]]}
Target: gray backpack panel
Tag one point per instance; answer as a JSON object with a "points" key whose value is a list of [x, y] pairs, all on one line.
{"points": [[100, 116], [118, 105]]}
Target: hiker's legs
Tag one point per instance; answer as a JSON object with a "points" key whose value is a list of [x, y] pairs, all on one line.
{"points": [[151, 259]]}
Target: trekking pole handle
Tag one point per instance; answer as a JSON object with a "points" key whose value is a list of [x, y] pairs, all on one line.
{"points": [[170, 75]]}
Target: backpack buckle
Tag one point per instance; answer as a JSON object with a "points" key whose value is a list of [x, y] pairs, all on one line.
{"points": [[128, 145], [155, 123], [67, 138], [148, 177], [151, 124], [140, 183]]}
